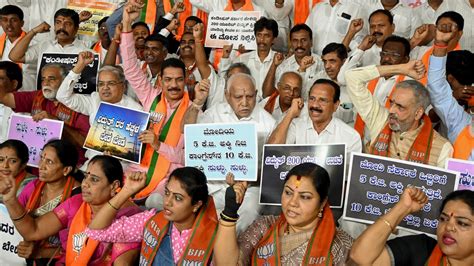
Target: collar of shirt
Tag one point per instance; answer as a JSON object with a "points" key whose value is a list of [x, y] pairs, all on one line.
{"points": [[76, 42], [254, 56], [330, 128], [398, 5]]}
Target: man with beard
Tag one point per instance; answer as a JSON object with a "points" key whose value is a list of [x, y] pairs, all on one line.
{"points": [[395, 50], [104, 42], [66, 25], [319, 126], [259, 61], [43, 104], [302, 61], [403, 131]]}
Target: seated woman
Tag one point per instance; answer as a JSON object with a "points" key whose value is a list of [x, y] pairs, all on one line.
{"points": [[56, 183], [304, 234], [102, 179], [14, 156], [455, 233], [183, 232]]}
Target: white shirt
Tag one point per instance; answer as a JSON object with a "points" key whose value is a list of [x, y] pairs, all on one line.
{"points": [[5, 114], [218, 5], [309, 76], [368, 57], [216, 91], [28, 81], [426, 13], [464, 8], [258, 69], [303, 132], [330, 23], [277, 113]]}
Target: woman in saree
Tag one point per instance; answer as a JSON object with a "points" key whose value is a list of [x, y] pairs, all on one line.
{"points": [[181, 234], [455, 234], [102, 179], [304, 233], [14, 156]]}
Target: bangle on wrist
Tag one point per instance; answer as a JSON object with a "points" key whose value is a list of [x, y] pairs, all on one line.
{"points": [[443, 46], [231, 224], [115, 208], [227, 218], [21, 217]]}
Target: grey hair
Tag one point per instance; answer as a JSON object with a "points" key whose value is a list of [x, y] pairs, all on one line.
{"points": [[421, 93], [117, 70], [62, 69], [245, 69], [240, 75]]}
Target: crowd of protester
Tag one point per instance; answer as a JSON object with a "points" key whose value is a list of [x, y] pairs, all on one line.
{"points": [[379, 76]]}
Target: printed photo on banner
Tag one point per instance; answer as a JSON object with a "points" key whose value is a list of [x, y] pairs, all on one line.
{"points": [[87, 82], [217, 149], [376, 184], [115, 130], [98, 9], [465, 170], [9, 240], [277, 160], [34, 134], [228, 27]]}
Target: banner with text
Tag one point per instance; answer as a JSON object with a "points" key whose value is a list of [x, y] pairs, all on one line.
{"points": [[377, 183], [229, 27], [98, 9], [10, 238], [88, 81], [465, 170], [34, 134], [279, 159], [115, 130], [217, 149]]}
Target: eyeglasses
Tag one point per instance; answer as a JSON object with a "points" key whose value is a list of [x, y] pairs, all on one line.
{"points": [[390, 54], [102, 84]]}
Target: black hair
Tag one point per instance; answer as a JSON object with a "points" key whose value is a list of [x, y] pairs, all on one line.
{"points": [[67, 155], [102, 20], [454, 16], [265, 23], [193, 18], [337, 89], [466, 196], [141, 23], [157, 38], [460, 64], [338, 48], [20, 148], [319, 177], [111, 167], [173, 62], [194, 182], [66, 12], [13, 72], [12, 10], [385, 12], [403, 41], [299, 27]]}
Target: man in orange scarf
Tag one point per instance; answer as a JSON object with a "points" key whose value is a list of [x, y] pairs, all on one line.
{"points": [[403, 131]]}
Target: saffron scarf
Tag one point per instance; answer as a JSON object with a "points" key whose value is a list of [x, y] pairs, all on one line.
{"points": [[420, 149], [302, 10], [426, 61], [437, 258], [200, 244], [318, 251], [464, 144], [19, 179], [63, 113], [270, 105]]}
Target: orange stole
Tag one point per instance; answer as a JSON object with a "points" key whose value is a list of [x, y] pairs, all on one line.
{"points": [[359, 124], [464, 144], [158, 165], [420, 149], [34, 200], [3, 41], [75, 255], [437, 258], [318, 251], [188, 11], [19, 178], [426, 61], [302, 10], [148, 14], [200, 243], [270, 105], [63, 113]]}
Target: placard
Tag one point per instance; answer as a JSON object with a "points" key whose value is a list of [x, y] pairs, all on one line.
{"points": [[217, 149], [279, 159], [9, 239], [88, 81], [230, 27], [115, 129], [465, 170], [98, 10], [34, 134], [377, 183]]}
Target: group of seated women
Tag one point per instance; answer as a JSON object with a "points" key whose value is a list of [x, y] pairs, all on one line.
{"points": [[68, 217]]}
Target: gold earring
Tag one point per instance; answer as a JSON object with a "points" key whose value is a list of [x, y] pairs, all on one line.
{"points": [[320, 214]]}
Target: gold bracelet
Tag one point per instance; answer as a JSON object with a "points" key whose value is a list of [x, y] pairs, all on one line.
{"points": [[115, 208], [227, 225], [388, 224], [21, 217]]}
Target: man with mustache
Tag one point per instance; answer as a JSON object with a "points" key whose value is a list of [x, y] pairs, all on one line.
{"points": [[104, 42], [402, 131], [259, 61], [302, 61], [140, 32], [43, 104], [241, 106], [66, 25], [319, 126]]}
